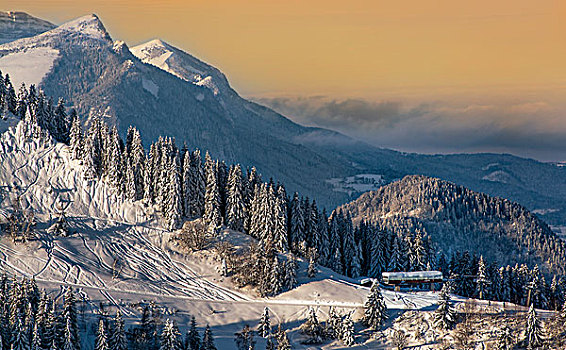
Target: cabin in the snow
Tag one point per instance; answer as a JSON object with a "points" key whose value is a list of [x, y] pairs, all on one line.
{"points": [[415, 277]]}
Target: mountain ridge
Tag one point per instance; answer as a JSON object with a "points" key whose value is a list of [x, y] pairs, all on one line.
{"points": [[105, 78]]}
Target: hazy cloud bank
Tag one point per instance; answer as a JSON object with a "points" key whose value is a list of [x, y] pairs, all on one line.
{"points": [[534, 129]]}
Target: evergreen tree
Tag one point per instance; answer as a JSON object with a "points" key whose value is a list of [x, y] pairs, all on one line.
{"points": [[136, 161], [333, 324], [208, 339], [323, 249], [375, 310], [76, 138], [533, 332], [197, 186], [35, 338], [347, 334], [264, 327], [282, 340], [61, 122], [170, 336], [505, 339], [101, 339], [118, 336], [290, 273], [212, 214], [482, 279], [245, 339], [235, 204], [192, 341], [269, 344], [312, 328], [173, 201], [378, 255], [444, 316], [19, 337], [297, 227], [279, 216], [71, 331], [312, 268]]}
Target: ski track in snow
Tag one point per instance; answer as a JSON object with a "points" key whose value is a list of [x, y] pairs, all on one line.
{"points": [[87, 256]]}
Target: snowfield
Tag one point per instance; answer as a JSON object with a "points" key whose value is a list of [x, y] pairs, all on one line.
{"points": [[30, 65], [120, 255]]}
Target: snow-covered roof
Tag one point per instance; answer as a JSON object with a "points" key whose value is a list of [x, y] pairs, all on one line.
{"points": [[412, 275]]}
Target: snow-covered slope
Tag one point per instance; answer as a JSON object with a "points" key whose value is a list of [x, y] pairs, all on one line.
{"points": [[183, 65], [17, 25], [120, 255]]}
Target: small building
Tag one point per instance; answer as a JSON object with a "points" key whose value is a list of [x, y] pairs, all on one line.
{"points": [[416, 277]]}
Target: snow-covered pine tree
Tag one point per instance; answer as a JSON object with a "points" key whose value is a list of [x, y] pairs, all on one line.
{"points": [[276, 282], [117, 339], [290, 272], [208, 339], [280, 234], [444, 315], [19, 339], [347, 333], [323, 249], [375, 310], [222, 181], [10, 98], [282, 339], [396, 256], [186, 174], [198, 185], [264, 326], [313, 227], [505, 339], [235, 203], [212, 215], [312, 268], [333, 326], [92, 155], [76, 138], [61, 122], [482, 280], [350, 251], [270, 343], [173, 201], [533, 332], [378, 255], [245, 339], [261, 218], [148, 179], [297, 226], [312, 328], [136, 155], [101, 341], [417, 254], [192, 340], [71, 332], [170, 336]]}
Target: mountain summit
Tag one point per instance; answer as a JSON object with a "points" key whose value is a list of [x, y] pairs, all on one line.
{"points": [[17, 25], [182, 65]]}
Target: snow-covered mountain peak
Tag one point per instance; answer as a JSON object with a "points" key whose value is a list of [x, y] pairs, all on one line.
{"points": [[89, 25], [17, 25], [181, 64]]}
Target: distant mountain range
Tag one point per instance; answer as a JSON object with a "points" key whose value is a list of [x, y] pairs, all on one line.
{"points": [[164, 91]]}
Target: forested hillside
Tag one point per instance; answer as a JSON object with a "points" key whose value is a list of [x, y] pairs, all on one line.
{"points": [[458, 219]]}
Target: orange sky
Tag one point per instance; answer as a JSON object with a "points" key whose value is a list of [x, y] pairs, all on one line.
{"points": [[347, 48]]}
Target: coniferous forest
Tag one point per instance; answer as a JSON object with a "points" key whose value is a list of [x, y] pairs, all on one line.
{"points": [[197, 196]]}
